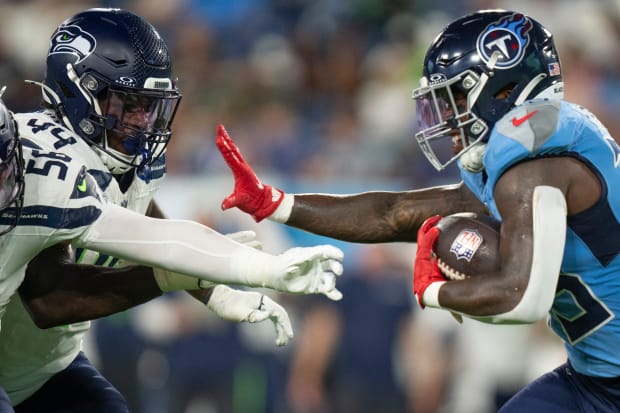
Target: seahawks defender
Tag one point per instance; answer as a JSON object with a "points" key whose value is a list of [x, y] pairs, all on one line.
{"points": [[93, 160], [547, 168], [33, 224]]}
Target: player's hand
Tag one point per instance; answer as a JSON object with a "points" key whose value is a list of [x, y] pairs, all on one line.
{"points": [[425, 269], [252, 307], [249, 195], [308, 270]]}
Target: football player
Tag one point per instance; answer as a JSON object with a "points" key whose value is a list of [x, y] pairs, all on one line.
{"points": [[547, 168], [93, 159]]}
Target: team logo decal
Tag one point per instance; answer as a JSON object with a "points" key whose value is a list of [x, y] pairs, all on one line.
{"points": [[72, 39], [508, 36], [466, 244]]}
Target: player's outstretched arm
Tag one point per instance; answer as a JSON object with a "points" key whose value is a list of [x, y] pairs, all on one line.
{"points": [[190, 248], [369, 217], [229, 304], [57, 291]]}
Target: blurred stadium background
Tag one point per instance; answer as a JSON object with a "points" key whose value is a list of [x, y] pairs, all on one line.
{"points": [[317, 95]]}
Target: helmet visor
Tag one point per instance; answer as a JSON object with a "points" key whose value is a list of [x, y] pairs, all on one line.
{"points": [[443, 120], [142, 112], [139, 123]]}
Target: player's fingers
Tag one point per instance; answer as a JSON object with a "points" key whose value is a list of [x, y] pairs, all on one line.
{"points": [[430, 223], [258, 315], [229, 202], [327, 286], [427, 240], [284, 329], [282, 336], [326, 252], [333, 294], [333, 266], [227, 147]]}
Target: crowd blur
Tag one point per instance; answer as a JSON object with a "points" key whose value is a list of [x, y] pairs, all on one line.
{"points": [[317, 94]]}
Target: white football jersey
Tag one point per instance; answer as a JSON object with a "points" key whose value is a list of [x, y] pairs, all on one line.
{"points": [[31, 356]]}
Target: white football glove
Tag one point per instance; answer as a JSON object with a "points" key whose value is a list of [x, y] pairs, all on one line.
{"points": [[253, 307], [300, 270]]}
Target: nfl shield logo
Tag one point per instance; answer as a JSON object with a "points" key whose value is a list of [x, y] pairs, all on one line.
{"points": [[466, 244]]}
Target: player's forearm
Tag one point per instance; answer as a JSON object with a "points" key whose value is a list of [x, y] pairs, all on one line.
{"points": [[179, 246], [76, 292], [373, 217]]}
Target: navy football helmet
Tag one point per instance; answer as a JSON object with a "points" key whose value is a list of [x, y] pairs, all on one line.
{"points": [[477, 69], [11, 171], [109, 79]]}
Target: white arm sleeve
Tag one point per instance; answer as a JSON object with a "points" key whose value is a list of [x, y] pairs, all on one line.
{"points": [[177, 245], [549, 221]]}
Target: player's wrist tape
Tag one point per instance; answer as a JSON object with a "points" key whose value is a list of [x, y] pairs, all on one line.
{"points": [[430, 297], [172, 281], [283, 211]]}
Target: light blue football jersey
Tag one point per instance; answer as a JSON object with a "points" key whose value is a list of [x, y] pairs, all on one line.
{"points": [[587, 301]]}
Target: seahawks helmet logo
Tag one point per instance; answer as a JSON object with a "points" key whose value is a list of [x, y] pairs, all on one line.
{"points": [[72, 39], [509, 36]]}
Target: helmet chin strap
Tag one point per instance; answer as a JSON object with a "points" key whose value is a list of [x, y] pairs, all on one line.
{"points": [[124, 162]]}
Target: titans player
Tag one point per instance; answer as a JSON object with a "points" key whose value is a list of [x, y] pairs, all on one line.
{"points": [[492, 86]]}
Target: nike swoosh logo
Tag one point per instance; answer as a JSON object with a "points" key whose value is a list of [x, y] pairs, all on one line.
{"points": [[82, 185], [518, 121]]}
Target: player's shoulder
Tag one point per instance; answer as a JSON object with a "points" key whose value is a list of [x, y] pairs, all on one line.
{"points": [[530, 124], [41, 126], [44, 129], [54, 178]]}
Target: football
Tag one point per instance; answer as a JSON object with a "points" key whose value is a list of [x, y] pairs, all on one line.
{"points": [[468, 245]]}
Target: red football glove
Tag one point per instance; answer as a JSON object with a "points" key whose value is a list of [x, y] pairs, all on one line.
{"points": [[425, 268], [249, 195]]}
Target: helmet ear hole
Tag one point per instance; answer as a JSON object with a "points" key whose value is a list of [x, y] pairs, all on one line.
{"points": [[65, 90], [505, 91]]}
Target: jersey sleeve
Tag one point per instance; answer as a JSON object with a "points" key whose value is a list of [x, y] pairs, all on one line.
{"points": [[61, 198]]}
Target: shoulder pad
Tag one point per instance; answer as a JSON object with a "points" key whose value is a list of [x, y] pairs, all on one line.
{"points": [[531, 124], [55, 176]]}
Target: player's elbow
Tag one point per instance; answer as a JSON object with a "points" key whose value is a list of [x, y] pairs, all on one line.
{"points": [[520, 315], [530, 307]]}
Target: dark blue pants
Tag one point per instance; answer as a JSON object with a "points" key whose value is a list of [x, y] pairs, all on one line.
{"points": [[565, 391], [78, 388]]}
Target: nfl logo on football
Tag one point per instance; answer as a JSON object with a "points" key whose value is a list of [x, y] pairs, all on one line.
{"points": [[466, 244]]}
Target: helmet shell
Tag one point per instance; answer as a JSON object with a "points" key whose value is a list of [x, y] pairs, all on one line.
{"points": [[524, 49]]}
